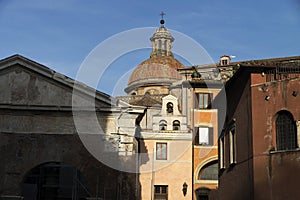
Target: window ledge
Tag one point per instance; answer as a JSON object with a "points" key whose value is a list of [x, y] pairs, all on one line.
{"points": [[161, 160], [205, 109], [284, 151], [212, 182], [205, 146]]}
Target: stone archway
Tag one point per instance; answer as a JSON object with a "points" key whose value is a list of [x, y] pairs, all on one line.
{"points": [[54, 181]]}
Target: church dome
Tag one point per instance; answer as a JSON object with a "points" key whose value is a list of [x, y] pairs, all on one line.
{"points": [[160, 68]]}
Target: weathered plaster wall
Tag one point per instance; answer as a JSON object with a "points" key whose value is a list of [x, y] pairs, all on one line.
{"points": [[272, 168]]}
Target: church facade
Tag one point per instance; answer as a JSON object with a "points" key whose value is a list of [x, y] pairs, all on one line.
{"points": [[165, 140]]}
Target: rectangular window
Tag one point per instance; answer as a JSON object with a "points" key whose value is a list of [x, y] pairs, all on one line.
{"points": [[203, 100], [205, 136], [161, 151], [224, 62], [160, 192], [222, 153], [232, 140]]}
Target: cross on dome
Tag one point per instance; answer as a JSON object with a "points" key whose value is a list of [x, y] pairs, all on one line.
{"points": [[162, 14], [162, 21]]}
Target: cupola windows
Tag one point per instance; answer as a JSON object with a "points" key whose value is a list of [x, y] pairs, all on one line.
{"points": [[159, 46], [161, 42]]}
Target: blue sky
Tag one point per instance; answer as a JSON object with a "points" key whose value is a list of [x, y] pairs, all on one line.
{"points": [[61, 34]]}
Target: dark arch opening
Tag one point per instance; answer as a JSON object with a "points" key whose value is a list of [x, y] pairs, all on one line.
{"points": [[162, 125], [54, 181], [202, 193], [176, 125], [169, 107], [209, 171]]}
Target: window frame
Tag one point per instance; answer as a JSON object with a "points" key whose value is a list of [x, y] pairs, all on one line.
{"points": [[210, 136], [203, 100], [232, 145], [159, 46], [286, 131], [224, 62], [160, 195], [158, 151], [205, 167], [222, 153]]}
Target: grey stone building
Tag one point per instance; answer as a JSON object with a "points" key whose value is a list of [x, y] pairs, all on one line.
{"points": [[44, 155]]}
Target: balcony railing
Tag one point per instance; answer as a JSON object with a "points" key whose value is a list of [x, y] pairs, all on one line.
{"points": [[282, 72]]}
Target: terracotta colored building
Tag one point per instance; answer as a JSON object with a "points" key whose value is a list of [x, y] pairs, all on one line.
{"points": [[259, 142], [202, 84]]}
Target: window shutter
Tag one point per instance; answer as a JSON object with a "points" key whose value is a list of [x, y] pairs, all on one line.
{"points": [[211, 136]]}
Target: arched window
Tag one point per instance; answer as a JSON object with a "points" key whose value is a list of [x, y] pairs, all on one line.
{"points": [[169, 107], [286, 136], [209, 171], [54, 180], [176, 125], [162, 125]]}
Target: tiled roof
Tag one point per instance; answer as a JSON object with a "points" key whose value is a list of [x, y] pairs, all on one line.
{"points": [[147, 100], [157, 67]]}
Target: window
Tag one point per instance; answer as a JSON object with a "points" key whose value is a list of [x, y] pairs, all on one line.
{"points": [[160, 192], [224, 62], [169, 107], [161, 151], [204, 136], [165, 46], [286, 136], [176, 125], [209, 171], [232, 140], [162, 125], [203, 100], [159, 46], [221, 153]]}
